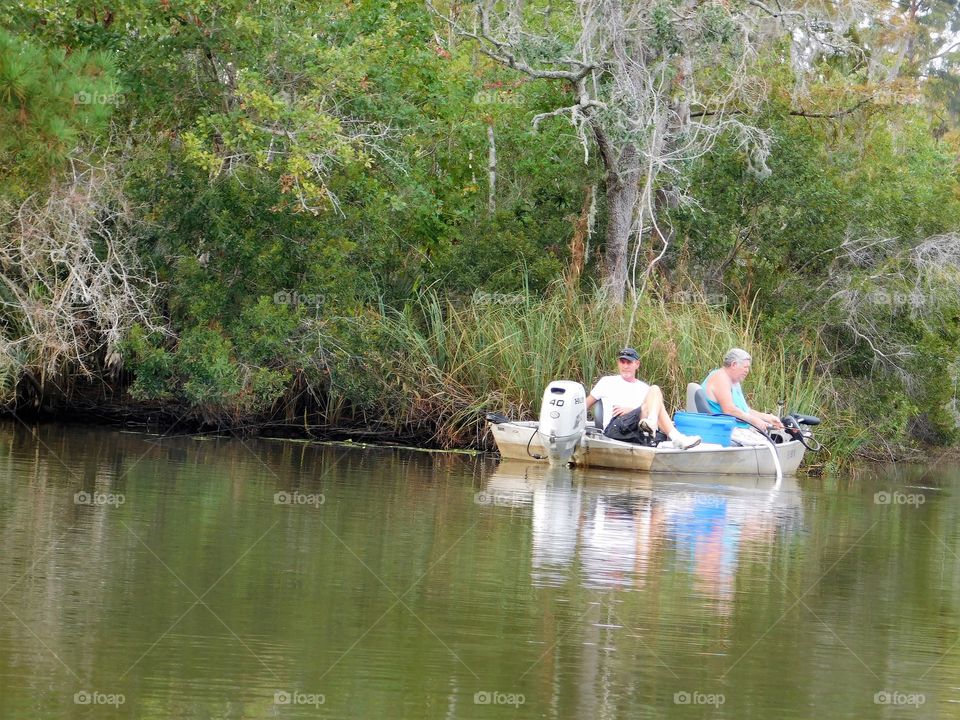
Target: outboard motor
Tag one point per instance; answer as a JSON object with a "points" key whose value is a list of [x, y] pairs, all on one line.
{"points": [[563, 419], [793, 427]]}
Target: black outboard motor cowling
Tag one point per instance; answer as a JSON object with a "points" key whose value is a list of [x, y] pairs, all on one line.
{"points": [[792, 426]]}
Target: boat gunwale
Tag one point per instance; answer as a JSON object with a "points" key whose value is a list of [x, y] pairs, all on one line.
{"points": [[594, 440], [595, 436]]}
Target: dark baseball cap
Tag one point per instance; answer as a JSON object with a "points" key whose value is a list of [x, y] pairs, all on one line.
{"points": [[628, 354]]}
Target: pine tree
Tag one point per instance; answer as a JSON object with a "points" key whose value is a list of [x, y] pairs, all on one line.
{"points": [[48, 99]]}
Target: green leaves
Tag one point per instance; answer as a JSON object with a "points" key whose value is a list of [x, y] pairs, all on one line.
{"points": [[49, 101], [340, 151], [203, 371], [664, 36]]}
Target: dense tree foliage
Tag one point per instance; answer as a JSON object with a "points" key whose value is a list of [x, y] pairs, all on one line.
{"points": [[289, 176]]}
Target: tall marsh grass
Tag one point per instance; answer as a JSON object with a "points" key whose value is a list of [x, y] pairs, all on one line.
{"points": [[442, 363]]}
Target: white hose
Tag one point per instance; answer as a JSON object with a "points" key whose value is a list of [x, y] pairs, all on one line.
{"points": [[772, 447]]}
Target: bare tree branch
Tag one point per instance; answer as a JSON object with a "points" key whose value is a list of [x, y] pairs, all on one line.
{"points": [[654, 87], [71, 283]]}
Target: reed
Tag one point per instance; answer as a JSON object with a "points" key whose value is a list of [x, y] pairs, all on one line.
{"points": [[449, 361]]}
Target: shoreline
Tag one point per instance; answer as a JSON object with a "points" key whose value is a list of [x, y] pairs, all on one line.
{"points": [[162, 420]]}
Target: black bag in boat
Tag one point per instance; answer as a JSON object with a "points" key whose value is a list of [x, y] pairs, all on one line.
{"points": [[626, 428]]}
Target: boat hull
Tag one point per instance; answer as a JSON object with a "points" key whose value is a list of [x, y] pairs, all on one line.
{"points": [[596, 450]]}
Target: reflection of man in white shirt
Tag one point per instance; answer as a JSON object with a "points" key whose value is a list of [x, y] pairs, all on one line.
{"points": [[608, 551], [624, 393]]}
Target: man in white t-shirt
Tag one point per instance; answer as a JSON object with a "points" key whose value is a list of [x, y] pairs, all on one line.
{"points": [[632, 401]]}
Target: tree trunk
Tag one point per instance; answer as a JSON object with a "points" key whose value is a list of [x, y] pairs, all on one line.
{"points": [[578, 242], [492, 170], [621, 203]]}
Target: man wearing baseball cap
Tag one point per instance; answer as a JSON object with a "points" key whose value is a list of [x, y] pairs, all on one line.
{"points": [[631, 407]]}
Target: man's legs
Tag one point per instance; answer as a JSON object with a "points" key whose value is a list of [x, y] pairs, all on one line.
{"points": [[654, 415]]}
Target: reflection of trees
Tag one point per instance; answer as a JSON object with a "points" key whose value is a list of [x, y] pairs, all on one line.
{"points": [[55, 569], [592, 596], [99, 599]]}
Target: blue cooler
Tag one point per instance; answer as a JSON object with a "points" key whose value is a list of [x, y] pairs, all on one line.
{"points": [[712, 428]]}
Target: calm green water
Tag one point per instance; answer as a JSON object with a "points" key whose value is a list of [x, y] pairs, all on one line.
{"points": [[152, 577]]}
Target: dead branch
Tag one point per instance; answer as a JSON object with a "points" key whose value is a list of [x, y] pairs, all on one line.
{"points": [[71, 282], [635, 76]]}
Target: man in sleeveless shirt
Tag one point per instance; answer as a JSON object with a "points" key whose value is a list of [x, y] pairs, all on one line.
{"points": [[628, 400], [725, 395]]}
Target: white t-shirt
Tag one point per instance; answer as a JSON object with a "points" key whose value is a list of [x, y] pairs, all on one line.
{"points": [[614, 390]]}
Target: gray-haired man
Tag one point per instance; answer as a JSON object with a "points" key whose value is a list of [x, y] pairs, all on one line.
{"points": [[724, 394]]}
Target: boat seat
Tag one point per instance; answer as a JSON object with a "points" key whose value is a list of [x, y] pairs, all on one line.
{"points": [[697, 399], [598, 414]]}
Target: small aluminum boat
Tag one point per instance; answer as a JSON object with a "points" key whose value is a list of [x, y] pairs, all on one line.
{"points": [[562, 436]]}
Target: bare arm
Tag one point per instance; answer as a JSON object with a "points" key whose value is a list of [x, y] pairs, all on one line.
{"points": [[769, 419], [723, 392]]}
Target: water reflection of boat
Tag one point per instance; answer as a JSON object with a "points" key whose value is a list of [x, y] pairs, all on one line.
{"points": [[607, 530], [556, 508], [519, 480]]}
